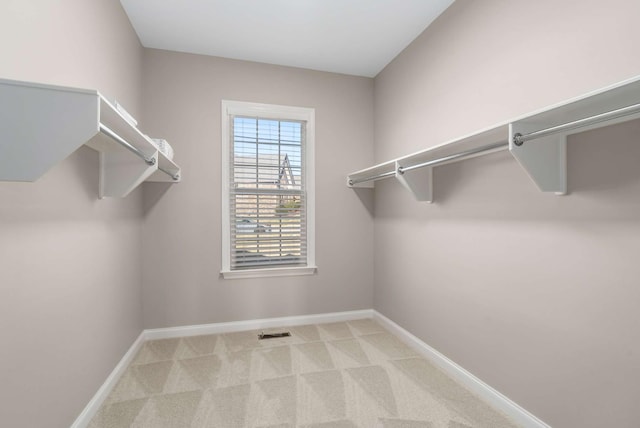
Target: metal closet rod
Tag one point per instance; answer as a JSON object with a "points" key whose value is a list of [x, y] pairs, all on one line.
{"points": [[490, 148], [401, 170], [373, 178], [126, 145], [149, 160], [519, 139]]}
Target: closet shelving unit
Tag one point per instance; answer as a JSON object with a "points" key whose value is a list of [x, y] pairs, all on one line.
{"points": [[40, 125], [537, 141]]}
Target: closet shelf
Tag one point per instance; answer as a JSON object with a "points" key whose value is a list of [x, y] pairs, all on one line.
{"points": [[40, 125], [536, 140]]}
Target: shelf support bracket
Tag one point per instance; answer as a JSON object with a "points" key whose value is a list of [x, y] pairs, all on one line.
{"points": [[418, 181], [121, 173], [544, 159]]}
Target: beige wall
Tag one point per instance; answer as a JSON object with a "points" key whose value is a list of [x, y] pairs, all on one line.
{"points": [[535, 294], [182, 230], [532, 293], [70, 275]]}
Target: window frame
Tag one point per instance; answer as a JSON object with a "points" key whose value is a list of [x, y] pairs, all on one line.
{"points": [[277, 112]]}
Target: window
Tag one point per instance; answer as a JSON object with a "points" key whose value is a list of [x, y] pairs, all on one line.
{"points": [[268, 190]]}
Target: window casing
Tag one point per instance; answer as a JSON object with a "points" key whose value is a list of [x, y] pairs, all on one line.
{"points": [[268, 190]]}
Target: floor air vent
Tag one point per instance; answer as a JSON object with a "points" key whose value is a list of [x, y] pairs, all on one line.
{"points": [[262, 336]]}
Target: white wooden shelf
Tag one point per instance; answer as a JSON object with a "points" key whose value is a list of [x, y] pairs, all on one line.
{"points": [[536, 140], [40, 125]]}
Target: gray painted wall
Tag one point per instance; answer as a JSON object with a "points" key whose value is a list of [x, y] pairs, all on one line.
{"points": [[70, 275], [531, 292], [535, 294], [182, 253]]}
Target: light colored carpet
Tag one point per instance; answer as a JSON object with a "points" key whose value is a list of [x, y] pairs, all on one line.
{"points": [[338, 375]]}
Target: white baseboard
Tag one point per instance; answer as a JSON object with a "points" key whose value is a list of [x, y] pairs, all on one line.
{"points": [[94, 404], [490, 395], [228, 327], [484, 391], [194, 330]]}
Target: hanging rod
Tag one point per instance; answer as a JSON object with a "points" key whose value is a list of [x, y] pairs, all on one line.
{"points": [[126, 145], [137, 152], [519, 139], [372, 178], [490, 148], [402, 169]]}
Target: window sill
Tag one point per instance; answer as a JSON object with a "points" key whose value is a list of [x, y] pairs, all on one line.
{"points": [[268, 273]]}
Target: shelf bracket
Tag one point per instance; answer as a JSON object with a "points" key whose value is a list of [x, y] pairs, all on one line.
{"points": [[544, 159], [418, 181], [121, 173]]}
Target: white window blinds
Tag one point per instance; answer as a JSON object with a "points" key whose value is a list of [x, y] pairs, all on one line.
{"points": [[267, 193]]}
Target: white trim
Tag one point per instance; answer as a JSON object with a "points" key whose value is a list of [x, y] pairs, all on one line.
{"points": [[224, 168], [310, 185], [271, 111], [94, 404], [486, 392], [267, 111], [268, 273], [233, 326]]}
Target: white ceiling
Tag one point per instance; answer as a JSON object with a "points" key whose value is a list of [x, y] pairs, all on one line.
{"points": [[358, 37]]}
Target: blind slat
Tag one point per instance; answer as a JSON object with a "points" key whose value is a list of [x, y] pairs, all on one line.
{"points": [[267, 193]]}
